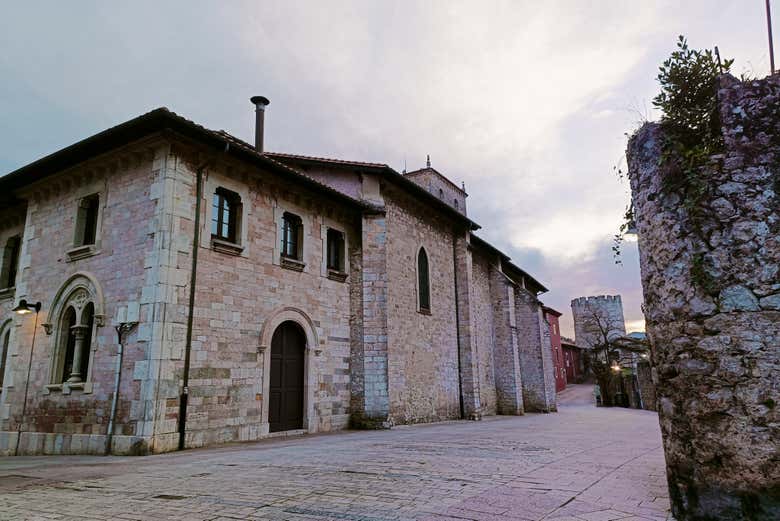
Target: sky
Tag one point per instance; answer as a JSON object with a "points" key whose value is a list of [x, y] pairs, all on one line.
{"points": [[528, 103]]}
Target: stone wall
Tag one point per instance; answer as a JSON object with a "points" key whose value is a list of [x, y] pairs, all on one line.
{"points": [[509, 386], [712, 304], [240, 300], [423, 347], [534, 353], [63, 419], [483, 329], [438, 185], [644, 376]]}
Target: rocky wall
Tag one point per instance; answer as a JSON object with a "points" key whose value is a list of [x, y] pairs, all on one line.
{"points": [[712, 303]]}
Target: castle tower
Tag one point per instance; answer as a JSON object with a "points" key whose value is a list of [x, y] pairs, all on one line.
{"points": [[596, 316]]}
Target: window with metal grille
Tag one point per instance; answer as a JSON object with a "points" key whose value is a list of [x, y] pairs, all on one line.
{"points": [[335, 250], [225, 215], [423, 282], [292, 228]]}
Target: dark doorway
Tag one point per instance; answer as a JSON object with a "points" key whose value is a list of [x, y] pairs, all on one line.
{"points": [[285, 408]]}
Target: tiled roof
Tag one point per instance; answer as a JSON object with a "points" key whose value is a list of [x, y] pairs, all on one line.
{"points": [[326, 160], [506, 261], [389, 173], [160, 119], [163, 119]]}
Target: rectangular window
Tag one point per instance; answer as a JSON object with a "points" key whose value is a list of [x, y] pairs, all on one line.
{"points": [[291, 236], [335, 250], [225, 212], [10, 261], [87, 220]]}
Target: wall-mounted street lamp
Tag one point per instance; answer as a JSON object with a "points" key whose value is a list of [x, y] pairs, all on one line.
{"points": [[24, 308], [615, 367]]}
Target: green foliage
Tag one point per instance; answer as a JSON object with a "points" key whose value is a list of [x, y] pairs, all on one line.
{"points": [[688, 95], [626, 226], [691, 123]]}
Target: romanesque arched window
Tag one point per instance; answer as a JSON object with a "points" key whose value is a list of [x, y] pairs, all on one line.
{"points": [[76, 313], [74, 340], [5, 345], [423, 282]]}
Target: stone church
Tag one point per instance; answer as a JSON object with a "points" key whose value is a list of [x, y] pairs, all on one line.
{"points": [[167, 286]]}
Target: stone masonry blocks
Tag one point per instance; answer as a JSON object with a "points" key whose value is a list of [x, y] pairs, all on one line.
{"points": [[711, 293]]}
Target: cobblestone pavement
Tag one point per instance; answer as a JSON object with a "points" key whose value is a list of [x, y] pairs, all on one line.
{"points": [[581, 464]]}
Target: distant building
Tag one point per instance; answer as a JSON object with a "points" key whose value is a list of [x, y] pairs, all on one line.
{"points": [[572, 360], [551, 316]]}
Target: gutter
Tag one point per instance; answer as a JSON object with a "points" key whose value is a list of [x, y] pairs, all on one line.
{"points": [[184, 396], [122, 328]]}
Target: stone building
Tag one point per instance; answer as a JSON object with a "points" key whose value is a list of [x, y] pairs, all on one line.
{"points": [[596, 316], [259, 294], [599, 320]]}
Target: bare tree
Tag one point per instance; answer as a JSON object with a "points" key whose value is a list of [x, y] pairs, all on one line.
{"points": [[610, 351]]}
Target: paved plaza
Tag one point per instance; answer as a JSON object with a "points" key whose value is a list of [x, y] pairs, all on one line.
{"points": [[583, 463]]}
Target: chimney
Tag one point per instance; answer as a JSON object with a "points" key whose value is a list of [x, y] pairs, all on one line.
{"points": [[260, 103]]}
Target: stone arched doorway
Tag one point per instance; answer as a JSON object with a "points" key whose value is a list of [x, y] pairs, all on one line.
{"points": [[287, 378]]}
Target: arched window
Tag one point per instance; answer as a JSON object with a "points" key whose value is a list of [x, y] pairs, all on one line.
{"points": [[5, 344], [423, 282], [75, 342]]}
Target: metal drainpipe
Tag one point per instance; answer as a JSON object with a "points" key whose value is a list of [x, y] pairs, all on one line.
{"points": [[457, 327], [122, 328], [183, 398], [26, 385]]}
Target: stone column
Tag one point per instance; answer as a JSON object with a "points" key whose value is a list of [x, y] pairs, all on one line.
{"points": [[79, 334], [467, 342], [371, 406], [535, 353], [711, 283], [509, 389]]}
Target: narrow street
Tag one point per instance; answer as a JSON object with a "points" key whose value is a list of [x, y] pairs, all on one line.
{"points": [[583, 463]]}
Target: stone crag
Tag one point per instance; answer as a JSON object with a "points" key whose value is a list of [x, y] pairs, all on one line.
{"points": [[712, 305]]}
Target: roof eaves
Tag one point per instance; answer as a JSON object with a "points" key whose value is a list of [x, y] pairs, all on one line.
{"points": [[507, 263], [160, 119], [389, 173]]}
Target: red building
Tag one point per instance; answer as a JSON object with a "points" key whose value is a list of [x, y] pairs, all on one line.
{"points": [[572, 359], [551, 316]]}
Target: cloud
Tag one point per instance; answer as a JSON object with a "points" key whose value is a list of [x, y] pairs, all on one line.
{"points": [[527, 102]]}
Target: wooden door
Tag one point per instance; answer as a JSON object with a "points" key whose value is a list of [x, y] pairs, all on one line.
{"points": [[285, 408], [569, 366]]}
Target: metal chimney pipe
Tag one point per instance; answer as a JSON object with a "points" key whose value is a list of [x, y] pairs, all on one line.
{"points": [[260, 102]]}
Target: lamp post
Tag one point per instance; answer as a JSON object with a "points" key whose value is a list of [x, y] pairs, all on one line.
{"points": [[25, 309]]}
